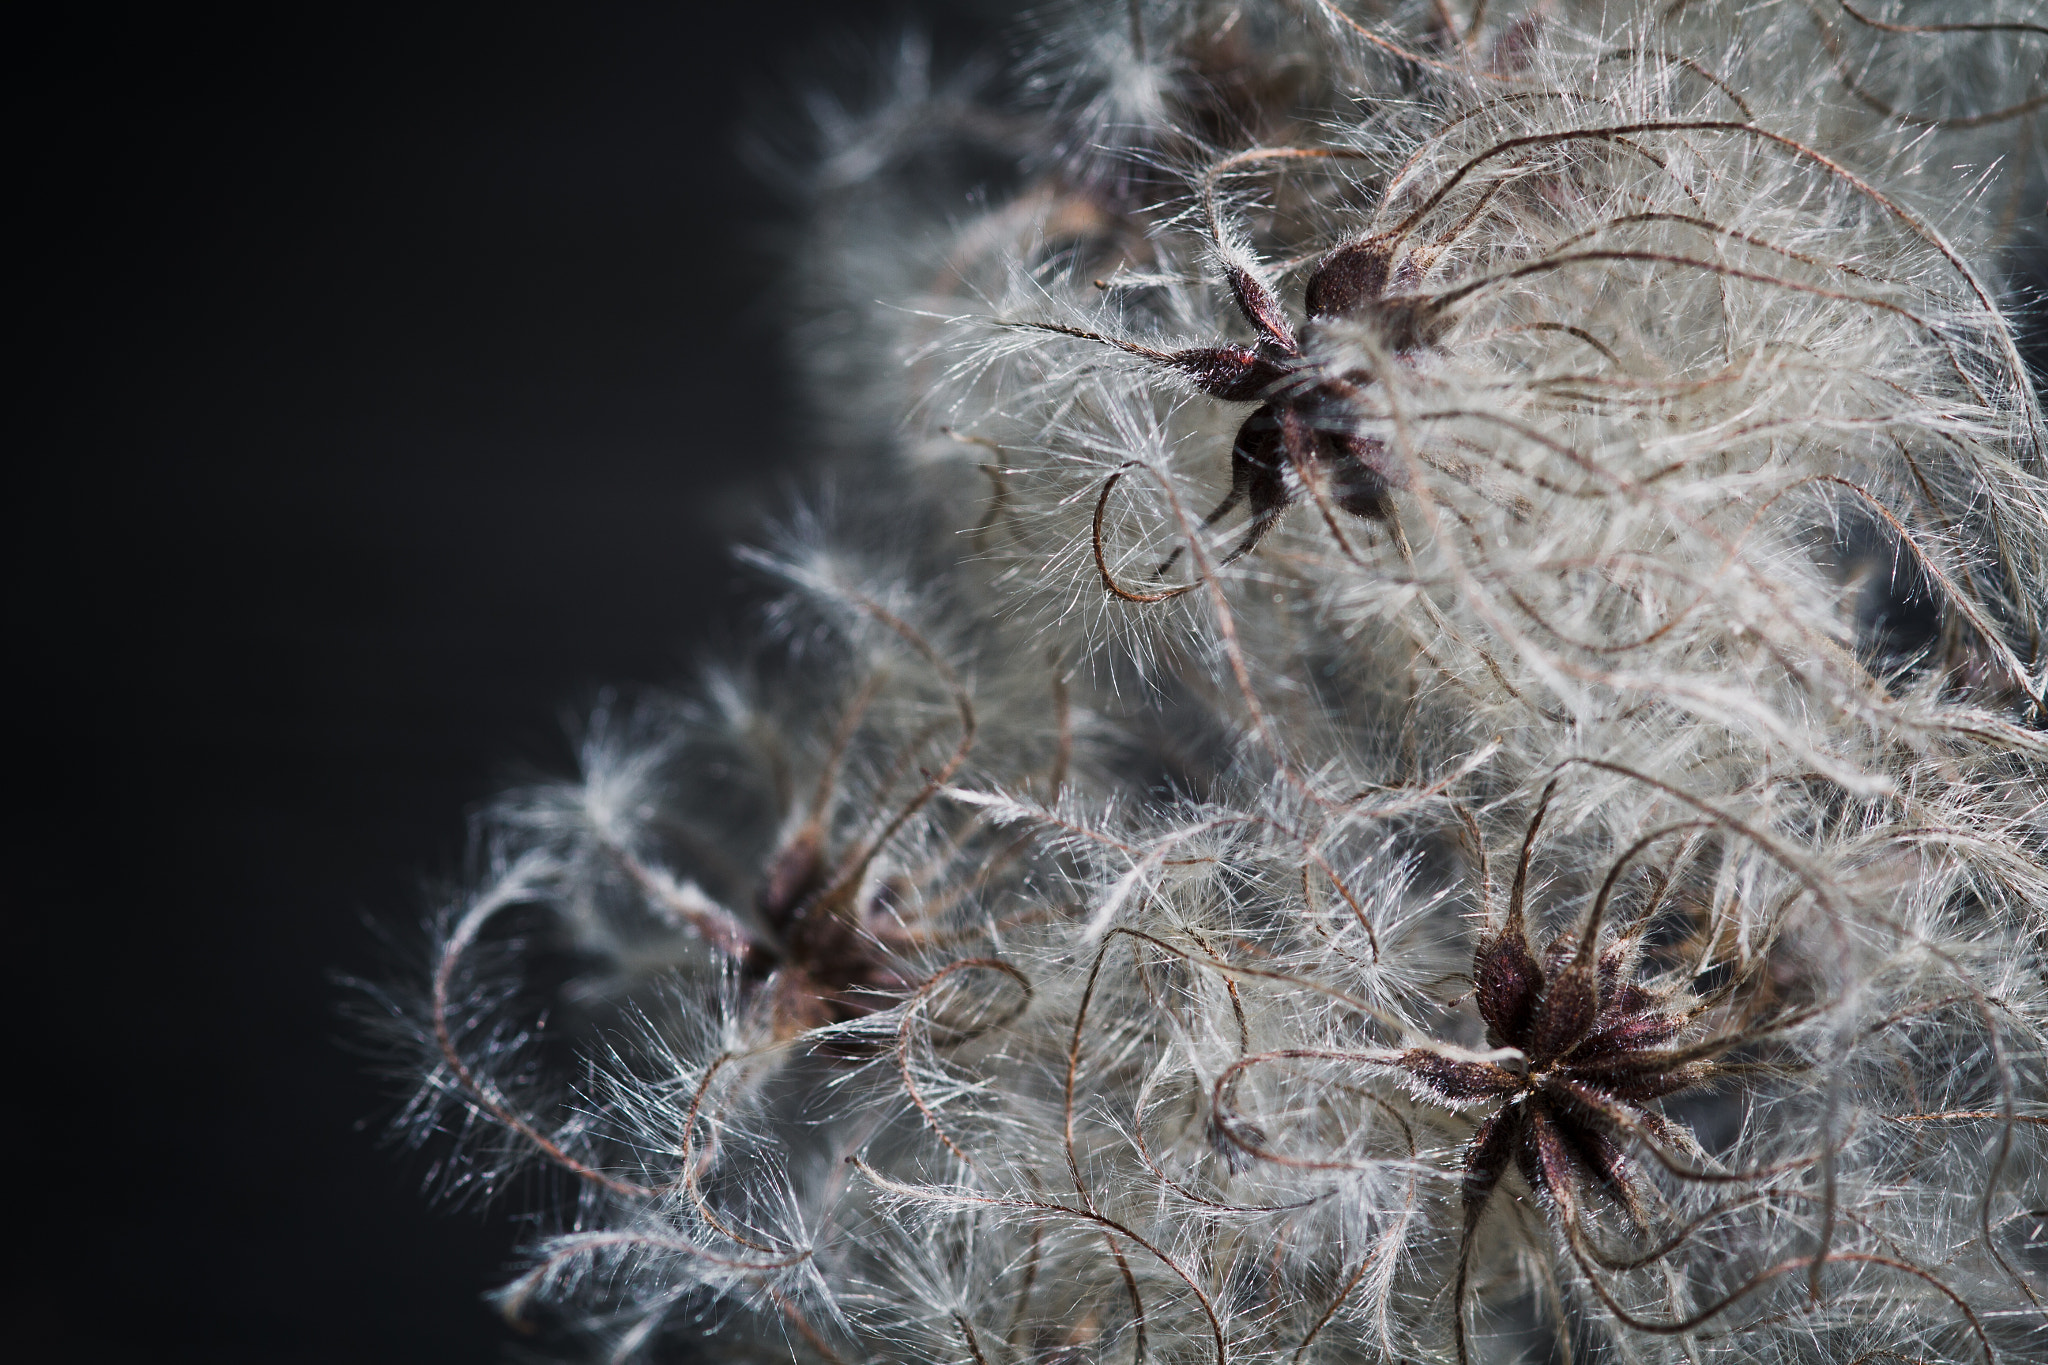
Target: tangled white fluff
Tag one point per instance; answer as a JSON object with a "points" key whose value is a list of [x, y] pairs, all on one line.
{"points": [[1558, 868]]}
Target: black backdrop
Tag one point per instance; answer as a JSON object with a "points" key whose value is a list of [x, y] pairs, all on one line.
{"points": [[394, 375]]}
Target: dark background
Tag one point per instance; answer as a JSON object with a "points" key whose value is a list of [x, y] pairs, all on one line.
{"points": [[396, 377]]}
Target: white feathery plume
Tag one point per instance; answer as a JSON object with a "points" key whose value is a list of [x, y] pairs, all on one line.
{"points": [[1423, 739]]}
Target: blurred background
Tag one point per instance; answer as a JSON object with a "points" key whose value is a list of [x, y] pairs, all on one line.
{"points": [[395, 379]]}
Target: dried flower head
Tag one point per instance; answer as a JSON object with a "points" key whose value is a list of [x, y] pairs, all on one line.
{"points": [[1084, 945]]}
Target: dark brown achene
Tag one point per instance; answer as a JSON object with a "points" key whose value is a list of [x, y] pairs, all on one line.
{"points": [[1299, 427], [1593, 1062], [1582, 1058], [828, 962]]}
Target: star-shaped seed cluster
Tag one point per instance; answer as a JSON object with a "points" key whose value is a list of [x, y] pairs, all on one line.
{"points": [[1582, 1056]]}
